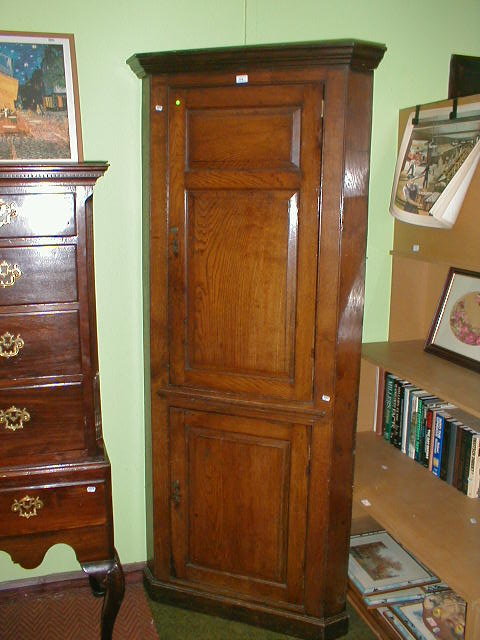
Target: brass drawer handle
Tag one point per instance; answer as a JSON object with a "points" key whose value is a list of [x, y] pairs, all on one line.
{"points": [[8, 274], [14, 418], [10, 345], [27, 507], [8, 212]]}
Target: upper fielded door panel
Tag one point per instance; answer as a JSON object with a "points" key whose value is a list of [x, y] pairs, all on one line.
{"points": [[243, 237]]}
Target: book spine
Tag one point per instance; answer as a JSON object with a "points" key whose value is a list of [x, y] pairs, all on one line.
{"points": [[395, 411], [453, 451], [418, 430], [476, 471], [437, 444], [472, 489], [428, 436], [397, 430], [459, 457], [466, 461], [413, 427], [389, 380], [428, 402], [407, 414], [447, 427], [432, 436], [379, 401]]}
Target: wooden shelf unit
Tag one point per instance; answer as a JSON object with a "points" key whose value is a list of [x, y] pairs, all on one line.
{"points": [[409, 361], [433, 520]]}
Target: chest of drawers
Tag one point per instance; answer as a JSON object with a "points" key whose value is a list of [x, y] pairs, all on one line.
{"points": [[54, 471]]}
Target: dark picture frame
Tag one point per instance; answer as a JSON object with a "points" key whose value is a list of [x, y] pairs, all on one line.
{"points": [[455, 330], [464, 78], [39, 103]]}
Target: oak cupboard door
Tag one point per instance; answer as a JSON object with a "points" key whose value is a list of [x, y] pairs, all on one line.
{"points": [[238, 503], [243, 229]]}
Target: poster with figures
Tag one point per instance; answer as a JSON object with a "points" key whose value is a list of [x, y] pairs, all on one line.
{"points": [[436, 161], [39, 112]]}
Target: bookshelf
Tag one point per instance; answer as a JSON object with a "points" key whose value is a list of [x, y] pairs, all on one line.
{"points": [[433, 520]]}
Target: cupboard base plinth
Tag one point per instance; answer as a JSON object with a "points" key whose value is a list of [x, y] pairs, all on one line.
{"points": [[256, 614]]}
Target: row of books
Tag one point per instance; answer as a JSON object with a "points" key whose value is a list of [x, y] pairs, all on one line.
{"points": [[435, 433], [398, 590]]}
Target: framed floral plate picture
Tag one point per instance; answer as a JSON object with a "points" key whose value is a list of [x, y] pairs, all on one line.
{"points": [[39, 109], [455, 331]]}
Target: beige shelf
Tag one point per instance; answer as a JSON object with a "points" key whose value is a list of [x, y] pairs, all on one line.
{"points": [[444, 262], [408, 360], [436, 522], [430, 518]]}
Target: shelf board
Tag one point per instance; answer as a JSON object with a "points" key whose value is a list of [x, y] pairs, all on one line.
{"points": [[448, 381], [428, 517], [445, 263]]}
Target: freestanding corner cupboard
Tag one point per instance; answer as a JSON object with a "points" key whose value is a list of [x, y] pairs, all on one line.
{"points": [[256, 175]]}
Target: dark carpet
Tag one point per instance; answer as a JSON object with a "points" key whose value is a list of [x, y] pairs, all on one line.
{"points": [[74, 614], [179, 624]]}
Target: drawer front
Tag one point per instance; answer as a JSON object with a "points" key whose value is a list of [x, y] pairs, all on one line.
{"points": [[39, 344], [37, 214], [40, 423], [34, 509], [42, 274]]}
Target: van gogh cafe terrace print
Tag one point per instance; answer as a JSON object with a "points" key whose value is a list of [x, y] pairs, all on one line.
{"points": [[38, 110]]}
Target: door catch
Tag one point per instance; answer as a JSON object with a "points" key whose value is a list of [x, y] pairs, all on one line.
{"points": [[174, 232], [176, 492]]}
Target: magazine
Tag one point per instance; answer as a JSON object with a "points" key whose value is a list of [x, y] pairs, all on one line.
{"points": [[441, 616]]}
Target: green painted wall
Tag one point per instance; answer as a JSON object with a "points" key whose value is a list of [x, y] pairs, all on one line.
{"points": [[420, 37]]}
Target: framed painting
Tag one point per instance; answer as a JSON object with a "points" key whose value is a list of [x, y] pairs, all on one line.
{"points": [[436, 161], [378, 563], [39, 106], [464, 78], [455, 331]]}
